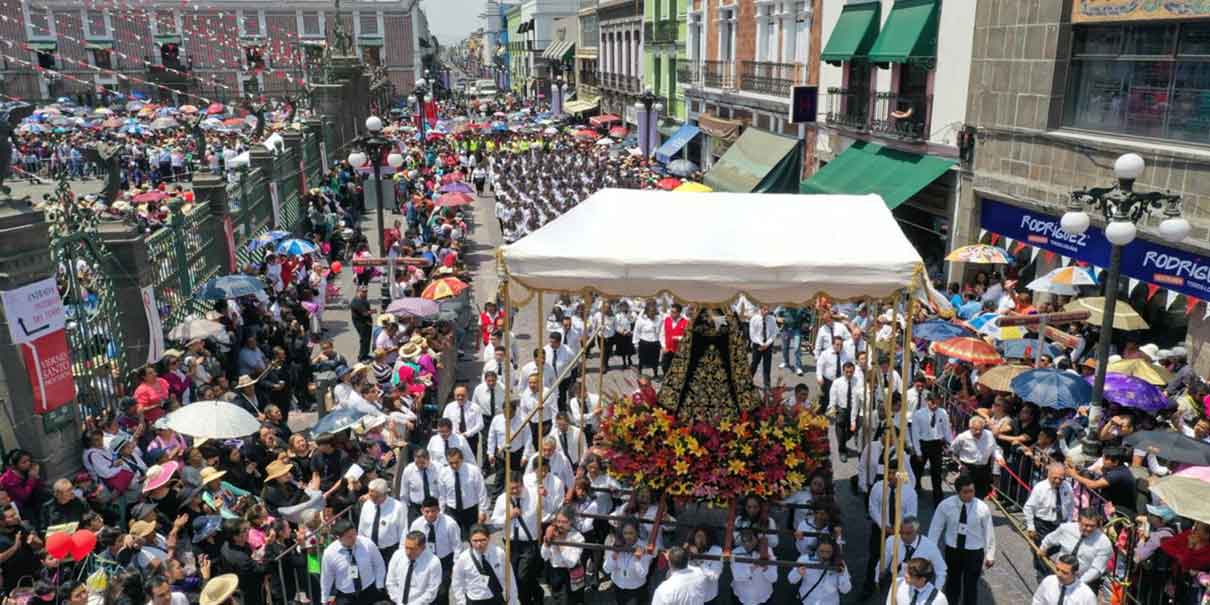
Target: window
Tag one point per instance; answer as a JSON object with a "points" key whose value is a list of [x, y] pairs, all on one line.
{"points": [[102, 58], [726, 33], [311, 24], [254, 58], [249, 23], [371, 55], [695, 41], [367, 23], [165, 22], [766, 44], [46, 60], [96, 24], [41, 23], [170, 56], [1142, 80]]}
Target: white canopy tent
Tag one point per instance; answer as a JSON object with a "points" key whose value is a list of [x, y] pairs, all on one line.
{"points": [[708, 248]]}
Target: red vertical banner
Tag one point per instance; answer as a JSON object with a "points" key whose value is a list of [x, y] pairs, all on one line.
{"points": [[48, 364]]}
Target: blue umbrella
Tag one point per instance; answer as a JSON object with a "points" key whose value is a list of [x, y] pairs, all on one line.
{"points": [[337, 421], [296, 247], [970, 309], [981, 320], [1052, 388], [1026, 348], [231, 286], [267, 238], [937, 329]]}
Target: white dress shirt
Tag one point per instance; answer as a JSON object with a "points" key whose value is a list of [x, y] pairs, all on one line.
{"points": [[929, 425], [1077, 593], [558, 465], [907, 497], [922, 547], [468, 583], [626, 570], [392, 523], [470, 412], [1093, 552], [570, 443], [970, 450], [904, 593], [646, 329], [522, 441], [978, 528], [819, 586], [482, 396], [414, 479], [762, 330], [524, 527], [470, 479], [557, 359], [438, 445], [751, 583], [449, 537], [681, 587], [555, 493], [847, 393], [529, 401], [426, 579], [1041, 503], [564, 557], [826, 364], [742, 522], [711, 571], [531, 368], [891, 376], [582, 415], [823, 339], [337, 572], [869, 465]]}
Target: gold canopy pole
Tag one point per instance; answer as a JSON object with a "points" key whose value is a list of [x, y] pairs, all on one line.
{"points": [[541, 409], [506, 459], [886, 442], [909, 312]]}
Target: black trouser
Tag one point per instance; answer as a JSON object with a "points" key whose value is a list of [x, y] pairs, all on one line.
{"points": [[930, 454], [630, 596], [387, 553], [842, 430], [1042, 528], [413, 510], [447, 574], [565, 388], [559, 579], [527, 564], [824, 392], [472, 442], [649, 355], [363, 339], [466, 518], [873, 552], [981, 474], [762, 357], [963, 568], [666, 362], [537, 431], [490, 601], [367, 595]]}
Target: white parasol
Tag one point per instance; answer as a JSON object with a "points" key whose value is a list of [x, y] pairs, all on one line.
{"points": [[212, 420]]}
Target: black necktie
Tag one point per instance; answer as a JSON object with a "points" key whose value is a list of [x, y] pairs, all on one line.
{"points": [[492, 402], [1076, 552], [554, 360], [915, 595], [407, 581], [377, 518], [1062, 594], [933, 419], [563, 442], [837, 372], [356, 570], [461, 418], [1058, 506], [848, 395], [961, 524], [458, 489], [890, 505], [764, 329], [521, 522], [485, 568], [432, 537], [424, 476]]}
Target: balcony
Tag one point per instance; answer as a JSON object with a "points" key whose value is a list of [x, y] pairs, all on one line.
{"points": [[718, 74], [902, 116], [173, 77], [589, 78], [689, 74], [769, 78], [632, 84], [849, 109], [663, 31]]}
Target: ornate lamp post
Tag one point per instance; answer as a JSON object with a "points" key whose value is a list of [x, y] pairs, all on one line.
{"points": [[647, 111], [1122, 208], [371, 147], [418, 99]]}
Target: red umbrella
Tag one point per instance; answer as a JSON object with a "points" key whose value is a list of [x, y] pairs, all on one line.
{"points": [[603, 120], [618, 132], [477, 125], [668, 183], [233, 122], [587, 134], [454, 199], [450, 177], [150, 196], [214, 108], [966, 348], [434, 136]]}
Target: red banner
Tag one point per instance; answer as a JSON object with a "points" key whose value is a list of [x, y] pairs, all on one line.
{"points": [[48, 364]]}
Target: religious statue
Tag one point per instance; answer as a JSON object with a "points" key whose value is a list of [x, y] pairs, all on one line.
{"points": [[107, 156], [199, 138], [11, 114], [709, 375], [341, 41], [258, 109]]}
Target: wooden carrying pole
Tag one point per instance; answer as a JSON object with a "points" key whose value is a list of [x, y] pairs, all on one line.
{"points": [[886, 507], [909, 315], [541, 409], [507, 374]]}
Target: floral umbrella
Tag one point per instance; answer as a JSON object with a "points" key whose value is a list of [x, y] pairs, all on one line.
{"points": [[966, 348], [446, 287], [980, 254]]}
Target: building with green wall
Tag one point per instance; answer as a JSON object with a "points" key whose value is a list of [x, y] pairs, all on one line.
{"points": [[517, 73], [663, 49]]}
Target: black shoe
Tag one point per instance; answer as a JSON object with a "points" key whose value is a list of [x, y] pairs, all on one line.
{"points": [[844, 458]]}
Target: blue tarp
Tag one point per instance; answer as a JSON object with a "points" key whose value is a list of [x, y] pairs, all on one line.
{"points": [[679, 139]]}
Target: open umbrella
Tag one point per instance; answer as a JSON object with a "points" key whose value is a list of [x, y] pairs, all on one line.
{"points": [[992, 328], [1000, 378], [938, 329], [212, 420], [1142, 369], [111, 123], [967, 348], [604, 142], [164, 123], [337, 421], [1171, 446], [103, 111], [980, 254], [149, 197], [214, 109], [456, 187], [618, 132], [1026, 348], [296, 247], [413, 307], [446, 287], [230, 286], [1124, 317], [587, 134], [1186, 496], [267, 238], [681, 167], [1134, 392], [188, 108], [234, 122], [453, 199], [692, 187], [196, 328], [1052, 388], [1063, 280], [451, 177], [668, 183]]}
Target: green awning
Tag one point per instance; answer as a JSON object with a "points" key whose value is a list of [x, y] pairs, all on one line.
{"points": [[854, 32], [167, 38], [99, 45], [370, 41], [910, 32], [758, 162], [48, 47], [871, 168]]}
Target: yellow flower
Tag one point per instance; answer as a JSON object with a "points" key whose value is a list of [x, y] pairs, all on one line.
{"points": [[735, 467], [681, 467], [792, 461], [679, 448], [789, 444], [741, 429], [795, 478], [746, 449]]}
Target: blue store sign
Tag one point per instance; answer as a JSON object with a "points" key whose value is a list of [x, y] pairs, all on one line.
{"points": [[1144, 260]]}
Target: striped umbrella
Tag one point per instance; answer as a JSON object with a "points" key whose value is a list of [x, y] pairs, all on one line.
{"points": [[970, 349], [980, 254], [1063, 281], [296, 247], [446, 287]]}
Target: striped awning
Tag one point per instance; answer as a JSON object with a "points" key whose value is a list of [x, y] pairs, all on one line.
{"points": [[557, 50]]}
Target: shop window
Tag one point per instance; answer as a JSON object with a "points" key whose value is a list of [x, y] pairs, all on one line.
{"points": [[254, 58], [102, 58], [170, 56], [46, 60]]}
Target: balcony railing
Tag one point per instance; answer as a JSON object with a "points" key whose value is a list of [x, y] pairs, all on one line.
{"points": [[631, 84], [689, 74], [903, 116], [718, 74], [660, 32], [848, 108], [589, 78], [769, 78], [175, 76]]}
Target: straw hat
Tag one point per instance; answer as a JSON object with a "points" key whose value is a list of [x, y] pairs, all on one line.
{"points": [[419, 341], [219, 589], [1151, 350], [245, 381], [409, 351], [276, 469], [171, 353], [142, 529], [211, 474], [385, 318], [159, 475]]}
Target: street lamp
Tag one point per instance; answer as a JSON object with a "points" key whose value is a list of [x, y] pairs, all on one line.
{"points": [[371, 148], [647, 111], [418, 99], [1122, 208]]}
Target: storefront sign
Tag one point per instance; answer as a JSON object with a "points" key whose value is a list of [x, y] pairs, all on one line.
{"points": [[36, 322], [1106, 11], [1144, 260]]}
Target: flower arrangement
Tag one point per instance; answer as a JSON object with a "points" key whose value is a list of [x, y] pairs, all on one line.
{"points": [[769, 451]]}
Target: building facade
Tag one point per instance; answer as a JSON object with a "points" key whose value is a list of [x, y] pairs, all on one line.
{"points": [[223, 51], [663, 47], [741, 60], [587, 63], [621, 56]]}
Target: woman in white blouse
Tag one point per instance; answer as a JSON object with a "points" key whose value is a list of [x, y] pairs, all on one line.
{"points": [[711, 569], [647, 339], [623, 339]]}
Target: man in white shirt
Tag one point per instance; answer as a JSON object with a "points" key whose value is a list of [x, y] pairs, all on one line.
{"points": [[383, 519], [1049, 505], [444, 441], [539, 422], [351, 571], [752, 583], [414, 574], [1085, 540], [762, 333], [929, 431], [531, 369], [963, 525], [545, 486], [558, 356], [829, 367], [684, 584], [441, 538], [886, 491], [420, 482], [569, 439], [466, 417], [912, 545], [1061, 588], [845, 402], [917, 587], [489, 396], [479, 573], [515, 514], [885, 374], [463, 494], [974, 449], [830, 329]]}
